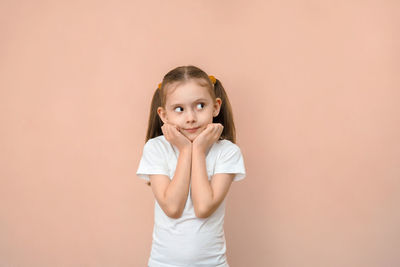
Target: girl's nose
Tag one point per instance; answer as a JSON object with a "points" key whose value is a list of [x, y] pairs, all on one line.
{"points": [[191, 116]]}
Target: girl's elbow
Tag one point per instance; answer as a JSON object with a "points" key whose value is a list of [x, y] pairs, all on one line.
{"points": [[174, 214], [202, 213]]}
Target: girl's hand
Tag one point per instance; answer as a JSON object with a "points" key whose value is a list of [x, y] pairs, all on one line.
{"points": [[175, 137], [209, 136]]}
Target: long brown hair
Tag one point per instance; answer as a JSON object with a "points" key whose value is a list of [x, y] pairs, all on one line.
{"points": [[184, 74]]}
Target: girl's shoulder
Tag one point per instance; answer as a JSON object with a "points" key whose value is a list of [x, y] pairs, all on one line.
{"points": [[226, 145], [158, 142], [226, 142]]}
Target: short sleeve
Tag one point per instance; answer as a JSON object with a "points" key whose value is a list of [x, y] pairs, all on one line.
{"points": [[153, 160], [231, 161]]}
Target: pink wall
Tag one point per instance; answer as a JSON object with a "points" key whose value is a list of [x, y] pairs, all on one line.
{"points": [[314, 87]]}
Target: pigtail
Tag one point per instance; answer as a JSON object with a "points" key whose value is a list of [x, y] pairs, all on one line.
{"points": [[154, 123], [225, 116]]}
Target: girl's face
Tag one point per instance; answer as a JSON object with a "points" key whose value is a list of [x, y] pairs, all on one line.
{"points": [[189, 107]]}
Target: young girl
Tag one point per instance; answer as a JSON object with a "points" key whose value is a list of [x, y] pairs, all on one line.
{"points": [[190, 160]]}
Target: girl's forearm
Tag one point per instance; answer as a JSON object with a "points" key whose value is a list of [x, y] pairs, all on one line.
{"points": [[178, 189], [202, 194]]}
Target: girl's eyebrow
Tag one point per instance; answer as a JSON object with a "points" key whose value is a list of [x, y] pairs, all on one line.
{"points": [[197, 100]]}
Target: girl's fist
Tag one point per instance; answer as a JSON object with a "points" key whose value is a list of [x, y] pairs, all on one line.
{"points": [[175, 137], [208, 137]]}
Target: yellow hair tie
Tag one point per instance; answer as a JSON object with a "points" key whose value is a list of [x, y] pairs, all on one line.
{"points": [[212, 79]]}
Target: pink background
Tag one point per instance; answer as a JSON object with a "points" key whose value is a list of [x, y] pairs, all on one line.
{"points": [[315, 90]]}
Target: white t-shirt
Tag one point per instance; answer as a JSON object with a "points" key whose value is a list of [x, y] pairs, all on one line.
{"points": [[189, 241]]}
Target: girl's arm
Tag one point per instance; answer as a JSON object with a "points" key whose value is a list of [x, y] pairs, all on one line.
{"points": [[206, 195], [172, 195]]}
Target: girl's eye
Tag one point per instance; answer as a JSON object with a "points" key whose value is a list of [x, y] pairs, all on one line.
{"points": [[201, 107], [201, 104]]}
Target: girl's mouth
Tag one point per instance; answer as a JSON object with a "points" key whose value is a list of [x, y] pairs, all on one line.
{"points": [[192, 130]]}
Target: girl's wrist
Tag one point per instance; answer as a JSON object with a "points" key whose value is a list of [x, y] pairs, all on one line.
{"points": [[187, 148], [197, 149]]}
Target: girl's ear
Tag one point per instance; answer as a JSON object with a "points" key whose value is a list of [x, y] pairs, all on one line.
{"points": [[217, 106], [161, 112]]}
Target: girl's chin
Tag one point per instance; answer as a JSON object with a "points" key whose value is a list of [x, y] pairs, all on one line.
{"points": [[191, 137]]}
